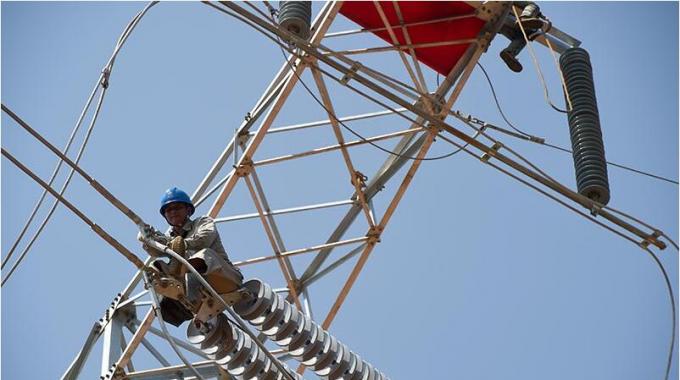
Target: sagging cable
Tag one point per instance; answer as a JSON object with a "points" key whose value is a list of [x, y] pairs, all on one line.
{"points": [[102, 81], [136, 261]]}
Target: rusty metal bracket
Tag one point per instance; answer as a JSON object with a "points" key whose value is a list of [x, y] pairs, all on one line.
{"points": [[359, 179], [356, 66], [245, 168], [209, 308], [373, 234], [492, 153], [651, 239]]}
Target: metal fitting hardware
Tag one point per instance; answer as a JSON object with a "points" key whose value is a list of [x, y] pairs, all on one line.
{"points": [[106, 74], [245, 168], [356, 66], [286, 326], [359, 179], [492, 153], [373, 234]]}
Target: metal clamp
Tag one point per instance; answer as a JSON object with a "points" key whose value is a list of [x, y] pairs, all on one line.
{"points": [[373, 234], [492, 153], [359, 179], [209, 308], [356, 66], [245, 168]]}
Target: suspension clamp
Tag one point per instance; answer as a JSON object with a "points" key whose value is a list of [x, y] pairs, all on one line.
{"points": [[359, 179], [595, 210], [242, 136], [245, 168], [653, 239], [356, 66], [373, 234], [491, 153], [106, 74]]}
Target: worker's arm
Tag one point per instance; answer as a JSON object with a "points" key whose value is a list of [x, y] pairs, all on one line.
{"points": [[205, 235]]}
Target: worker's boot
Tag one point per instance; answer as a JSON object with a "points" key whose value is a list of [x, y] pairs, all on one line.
{"points": [[509, 54]]}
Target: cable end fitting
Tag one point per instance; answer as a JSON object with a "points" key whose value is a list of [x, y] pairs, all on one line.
{"points": [[106, 74], [492, 152]]}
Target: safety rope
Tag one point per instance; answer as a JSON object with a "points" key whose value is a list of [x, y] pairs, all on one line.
{"points": [[536, 65], [559, 70]]}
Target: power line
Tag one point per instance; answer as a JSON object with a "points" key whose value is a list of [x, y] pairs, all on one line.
{"points": [[102, 81], [282, 46], [669, 287], [540, 140], [538, 176]]}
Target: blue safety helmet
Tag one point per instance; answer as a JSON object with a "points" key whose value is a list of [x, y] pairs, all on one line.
{"points": [[173, 195]]}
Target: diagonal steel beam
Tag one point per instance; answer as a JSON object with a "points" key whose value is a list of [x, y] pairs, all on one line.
{"points": [[355, 177], [271, 92], [299, 67], [372, 243], [406, 147]]}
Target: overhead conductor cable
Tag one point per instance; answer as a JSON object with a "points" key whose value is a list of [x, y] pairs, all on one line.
{"points": [[102, 81], [143, 227]]}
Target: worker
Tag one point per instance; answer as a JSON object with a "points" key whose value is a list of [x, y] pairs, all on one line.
{"points": [[532, 21], [198, 241]]}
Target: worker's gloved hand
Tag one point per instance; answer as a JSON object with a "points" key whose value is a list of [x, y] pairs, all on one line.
{"points": [[178, 245], [147, 232]]}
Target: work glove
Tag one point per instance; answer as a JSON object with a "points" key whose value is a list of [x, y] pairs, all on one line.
{"points": [[178, 245]]}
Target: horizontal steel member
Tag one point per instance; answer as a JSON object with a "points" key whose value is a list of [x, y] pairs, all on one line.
{"points": [[336, 147], [373, 30], [320, 123], [300, 251], [283, 211], [379, 49]]}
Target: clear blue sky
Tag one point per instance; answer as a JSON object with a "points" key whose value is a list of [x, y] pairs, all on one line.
{"points": [[477, 276]]}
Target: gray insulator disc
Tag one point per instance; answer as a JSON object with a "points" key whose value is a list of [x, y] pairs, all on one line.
{"points": [[235, 351], [312, 346], [283, 336], [281, 323], [273, 303], [203, 339], [271, 323], [224, 348], [312, 355], [239, 366], [296, 17], [322, 367], [357, 372], [342, 364], [234, 367], [369, 372], [226, 344], [255, 364], [222, 331], [304, 327], [251, 309], [306, 334]]}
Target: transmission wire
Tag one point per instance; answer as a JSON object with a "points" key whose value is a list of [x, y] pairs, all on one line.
{"points": [[541, 141], [646, 249], [256, 27], [102, 81], [282, 46]]}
